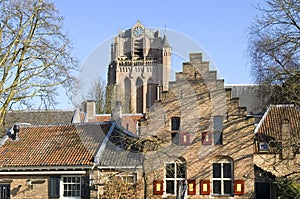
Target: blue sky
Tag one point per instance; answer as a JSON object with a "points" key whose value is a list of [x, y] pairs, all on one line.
{"points": [[217, 27]]}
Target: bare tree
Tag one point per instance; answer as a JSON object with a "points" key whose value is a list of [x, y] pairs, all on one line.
{"points": [[97, 93], [274, 49], [35, 55]]}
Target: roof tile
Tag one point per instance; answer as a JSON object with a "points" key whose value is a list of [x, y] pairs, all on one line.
{"points": [[74, 144]]}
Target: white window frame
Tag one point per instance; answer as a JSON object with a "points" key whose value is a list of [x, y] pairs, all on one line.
{"points": [[222, 178], [62, 187], [124, 177], [175, 179]]}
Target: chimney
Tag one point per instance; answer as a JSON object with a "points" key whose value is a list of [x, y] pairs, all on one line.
{"points": [[89, 108], [159, 93], [16, 130], [287, 149], [116, 114]]}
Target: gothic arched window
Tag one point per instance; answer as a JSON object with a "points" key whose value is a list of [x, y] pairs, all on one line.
{"points": [[127, 95], [151, 92], [139, 95]]}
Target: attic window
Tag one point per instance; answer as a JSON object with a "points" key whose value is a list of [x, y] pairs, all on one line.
{"points": [[263, 146]]}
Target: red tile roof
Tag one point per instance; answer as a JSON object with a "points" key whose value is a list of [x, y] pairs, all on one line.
{"points": [[63, 145], [275, 117]]}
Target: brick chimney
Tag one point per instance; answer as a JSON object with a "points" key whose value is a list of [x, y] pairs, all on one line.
{"points": [[116, 114], [287, 149], [89, 108]]}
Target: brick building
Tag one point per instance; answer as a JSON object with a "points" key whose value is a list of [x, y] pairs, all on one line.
{"points": [[140, 66], [276, 148], [200, 142]]}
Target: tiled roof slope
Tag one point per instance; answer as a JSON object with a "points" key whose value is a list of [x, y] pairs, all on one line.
{"points": [[275, 117], [115, 156], [122, 150], [63, 145], [38, 117]]}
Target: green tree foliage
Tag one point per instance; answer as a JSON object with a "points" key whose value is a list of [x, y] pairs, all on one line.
{"points": [[288, 188], [274, 48], [35, 55]]}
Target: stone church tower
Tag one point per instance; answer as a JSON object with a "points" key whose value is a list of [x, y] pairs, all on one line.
{"points": [[140, 68]]}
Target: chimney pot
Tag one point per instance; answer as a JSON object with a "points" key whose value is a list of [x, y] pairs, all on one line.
{"points": [[16, 130]]}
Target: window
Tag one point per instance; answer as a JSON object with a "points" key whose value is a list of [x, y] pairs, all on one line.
{"points": [[175, 178], [175, 123], [4, 191], [222, 177], [127, 178], [71, 187], [175, 127], [218, 129], [263, 146]]}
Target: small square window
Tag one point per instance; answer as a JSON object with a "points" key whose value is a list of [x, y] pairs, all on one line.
{"points": [[263, 146]]}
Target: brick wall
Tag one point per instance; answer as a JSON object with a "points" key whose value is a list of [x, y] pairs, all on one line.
{"points": [[196, 96]]}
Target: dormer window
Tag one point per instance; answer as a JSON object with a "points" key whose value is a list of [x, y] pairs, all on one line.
{"points": [[263, 146]]}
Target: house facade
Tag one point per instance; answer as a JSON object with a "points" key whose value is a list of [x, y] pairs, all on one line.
{"points": [[56, 161], [199, 142], [276, 148]]}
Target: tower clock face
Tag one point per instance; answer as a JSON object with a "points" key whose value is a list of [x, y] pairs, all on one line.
{"points": [[138, 31]]}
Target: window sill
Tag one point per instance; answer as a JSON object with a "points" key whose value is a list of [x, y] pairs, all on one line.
{"points": [[222, 196]]}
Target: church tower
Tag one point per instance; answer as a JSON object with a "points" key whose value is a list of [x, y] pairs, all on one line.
{"points": [[140, 68]]}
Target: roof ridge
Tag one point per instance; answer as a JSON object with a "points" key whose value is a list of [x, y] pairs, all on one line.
{"points": [[62, 124], [283, 105], [40, 110]]}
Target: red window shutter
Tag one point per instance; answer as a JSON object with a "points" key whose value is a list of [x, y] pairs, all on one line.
{"points": [[204, 187], [191, 187], [207, 138], [184, 138], [158, 186], [239, 187]]}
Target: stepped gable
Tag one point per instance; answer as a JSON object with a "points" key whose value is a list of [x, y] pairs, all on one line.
{"points": [[197, 71]]}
